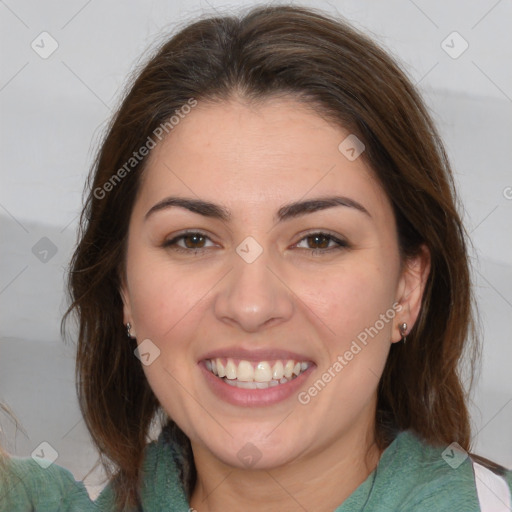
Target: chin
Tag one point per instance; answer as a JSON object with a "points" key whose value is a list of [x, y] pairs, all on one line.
{"points": [[252, 448]]}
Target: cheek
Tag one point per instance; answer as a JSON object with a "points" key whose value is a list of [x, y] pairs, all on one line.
{"points": [[350, 299], [353, 309], [162, 297], [166, 308]]}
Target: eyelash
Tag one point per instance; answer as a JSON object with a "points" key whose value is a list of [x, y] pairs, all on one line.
{"points": [[341, 244]]}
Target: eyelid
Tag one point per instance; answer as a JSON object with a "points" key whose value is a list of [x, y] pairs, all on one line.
{"points": [[168, 242], [341, 241]]}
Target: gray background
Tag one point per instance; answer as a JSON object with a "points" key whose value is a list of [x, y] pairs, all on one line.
{"points": [[53, 111]]}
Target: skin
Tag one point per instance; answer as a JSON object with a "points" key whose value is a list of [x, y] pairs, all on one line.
{"points": [[252, 160]]}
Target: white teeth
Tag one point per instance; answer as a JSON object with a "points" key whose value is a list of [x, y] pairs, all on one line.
{"points": [[246, 385], [249, 375], [254, 385], [278, 370], [221, 371], [288, 369], [263, 372], [230, 370], [245, 372]]}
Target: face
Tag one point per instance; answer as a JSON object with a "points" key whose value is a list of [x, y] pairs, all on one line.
{"points": [[264, 279]]}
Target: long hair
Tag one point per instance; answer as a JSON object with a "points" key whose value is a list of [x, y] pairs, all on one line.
{"points": [[324, 63]]}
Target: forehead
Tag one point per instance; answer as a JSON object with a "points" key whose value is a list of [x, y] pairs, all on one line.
{"points": [[246, 155]]}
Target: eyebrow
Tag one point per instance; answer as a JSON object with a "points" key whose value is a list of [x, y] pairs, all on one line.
{"points": [[286, 212]]}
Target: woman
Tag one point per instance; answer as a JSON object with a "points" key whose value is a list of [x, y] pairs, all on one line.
{"points": [[271, 262]]}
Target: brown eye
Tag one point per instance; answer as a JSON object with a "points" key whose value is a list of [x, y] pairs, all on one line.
{"points": [[189, 242], [194, 241], [322, 243], [318, 241]]}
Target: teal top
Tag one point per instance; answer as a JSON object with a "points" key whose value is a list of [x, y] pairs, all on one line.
{"points": [[411, 476]]}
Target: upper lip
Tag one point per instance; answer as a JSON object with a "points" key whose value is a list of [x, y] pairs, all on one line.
{"points": [[257, 354]]}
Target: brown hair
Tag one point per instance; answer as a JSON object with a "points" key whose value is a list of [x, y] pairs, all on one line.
{"points": [[347, 78]]}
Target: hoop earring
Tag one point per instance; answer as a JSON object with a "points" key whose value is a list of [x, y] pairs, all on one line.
{"points": [[403, 331]]}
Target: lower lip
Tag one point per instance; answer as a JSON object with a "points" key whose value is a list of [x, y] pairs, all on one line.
{"points": [[254, 397]]}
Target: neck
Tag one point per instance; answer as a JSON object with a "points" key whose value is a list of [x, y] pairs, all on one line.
{"points": [[321, 481]]}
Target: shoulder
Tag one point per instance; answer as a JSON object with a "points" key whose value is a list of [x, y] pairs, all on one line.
{"points": [[416, 476], [161, 487], [440, 477], [27, 485]]}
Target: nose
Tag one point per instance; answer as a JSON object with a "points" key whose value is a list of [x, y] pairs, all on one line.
{"points": [[253, 296]]}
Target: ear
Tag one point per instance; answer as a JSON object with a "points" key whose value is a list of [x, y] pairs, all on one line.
{"points": [[411, 286]]}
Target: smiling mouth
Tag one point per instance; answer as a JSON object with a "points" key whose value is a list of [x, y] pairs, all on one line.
{"points": [[256, 375]]}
